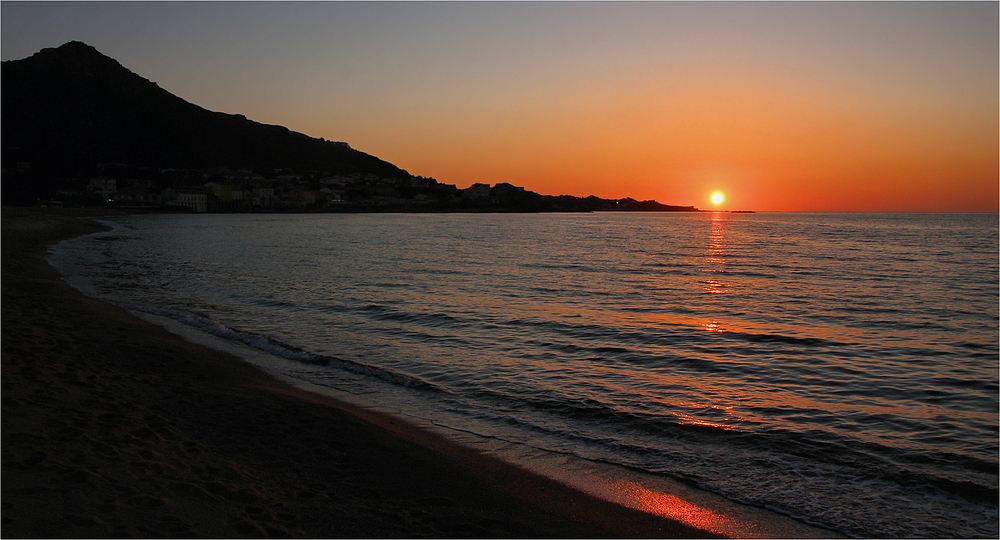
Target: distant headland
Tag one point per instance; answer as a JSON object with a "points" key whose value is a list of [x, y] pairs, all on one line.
{"points": [[82, 130]]}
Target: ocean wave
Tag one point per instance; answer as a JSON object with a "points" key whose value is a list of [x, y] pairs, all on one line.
{"points": [[817, 397], [818, 446], [385, 313], [285, 350]]}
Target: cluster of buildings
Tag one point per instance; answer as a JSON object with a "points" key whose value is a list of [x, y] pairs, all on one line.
{"points": [[225, 190]]}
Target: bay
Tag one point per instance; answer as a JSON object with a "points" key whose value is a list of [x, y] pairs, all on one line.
{"points": [[839, 368]]}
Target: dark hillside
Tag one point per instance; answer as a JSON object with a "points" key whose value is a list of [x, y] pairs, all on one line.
{"points": [[69, 109]]}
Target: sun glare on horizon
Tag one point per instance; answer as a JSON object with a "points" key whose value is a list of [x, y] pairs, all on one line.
{"points": [[717, 198]]}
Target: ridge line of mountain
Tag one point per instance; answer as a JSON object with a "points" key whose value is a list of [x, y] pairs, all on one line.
{"points": [[79, 128]]}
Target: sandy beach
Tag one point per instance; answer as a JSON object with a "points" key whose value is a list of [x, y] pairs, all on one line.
{"points": [[114, 427]]}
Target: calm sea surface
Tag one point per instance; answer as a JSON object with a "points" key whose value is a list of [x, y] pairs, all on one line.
{"points": [[840, 368]]}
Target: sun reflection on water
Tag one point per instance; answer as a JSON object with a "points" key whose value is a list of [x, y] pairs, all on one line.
{"points": [[713, 286], [713, 326], [715, 257]]}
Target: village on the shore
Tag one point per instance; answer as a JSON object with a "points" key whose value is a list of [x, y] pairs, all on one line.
{"points": [[221, 189]]}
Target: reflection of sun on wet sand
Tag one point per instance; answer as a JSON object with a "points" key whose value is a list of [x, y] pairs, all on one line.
{"points": [[674, 507], [115, 427]]}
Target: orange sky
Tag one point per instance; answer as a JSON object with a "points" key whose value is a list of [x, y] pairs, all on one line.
{"points": [[771, 145], [889, 106]]}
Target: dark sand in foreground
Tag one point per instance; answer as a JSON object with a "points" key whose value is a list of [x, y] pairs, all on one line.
{"points": [[112, 426]]}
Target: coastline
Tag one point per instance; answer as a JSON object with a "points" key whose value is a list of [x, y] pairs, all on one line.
{"points": [[113, 426]]}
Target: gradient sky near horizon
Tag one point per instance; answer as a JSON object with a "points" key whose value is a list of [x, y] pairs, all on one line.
{"points": [[784, 106]]}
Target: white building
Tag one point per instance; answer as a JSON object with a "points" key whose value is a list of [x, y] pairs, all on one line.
{"points": [[194, 199], [263, 196], [197, 202], [105, 187]]}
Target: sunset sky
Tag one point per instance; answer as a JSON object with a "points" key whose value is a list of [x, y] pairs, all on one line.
{"points": [[786, 106]]}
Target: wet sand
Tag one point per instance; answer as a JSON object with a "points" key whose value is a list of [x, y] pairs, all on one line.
{"points": [[114, 427]]}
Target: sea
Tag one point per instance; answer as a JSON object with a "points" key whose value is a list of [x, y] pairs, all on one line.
{"points": [[839, 370]]}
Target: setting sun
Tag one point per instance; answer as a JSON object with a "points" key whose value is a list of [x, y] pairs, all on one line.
{"points": [[717, 198]]}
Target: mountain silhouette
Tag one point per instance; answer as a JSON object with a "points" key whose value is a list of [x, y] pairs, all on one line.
{"points": [[66, 110], [71, 114]]}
